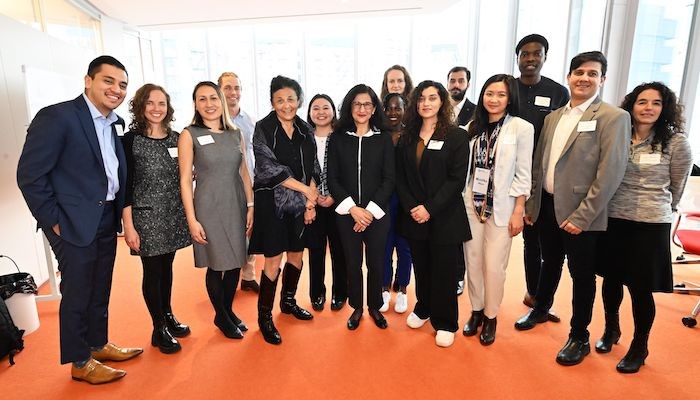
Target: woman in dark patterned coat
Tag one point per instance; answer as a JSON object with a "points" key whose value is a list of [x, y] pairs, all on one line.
{"points": [[154, 219]]}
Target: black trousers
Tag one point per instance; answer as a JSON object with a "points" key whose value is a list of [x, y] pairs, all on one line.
{"points": [[326, 230], [461, 269], [86, 283], [580, 251], [532, 257], [374, 240], [435, 266]]}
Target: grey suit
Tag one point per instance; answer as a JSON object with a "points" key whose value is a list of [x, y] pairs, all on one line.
{"points": [[587, 174]]}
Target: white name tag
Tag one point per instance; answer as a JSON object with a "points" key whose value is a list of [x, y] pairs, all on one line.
{"points": [[204, 140], [120, 130], [435, 145], [587, 126], [481, 180], [542, 101], [172, 151], [508, 139], [649, 159]]}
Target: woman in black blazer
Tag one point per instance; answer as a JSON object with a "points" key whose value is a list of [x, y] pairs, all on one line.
{"points": [[431, 171], [361, 179]]}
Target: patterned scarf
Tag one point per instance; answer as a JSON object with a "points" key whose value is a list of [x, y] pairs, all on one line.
{"points": [[485, 157], [323, 187]]}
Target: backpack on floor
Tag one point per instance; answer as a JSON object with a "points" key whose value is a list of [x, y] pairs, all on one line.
{"points": [[11, 341]]}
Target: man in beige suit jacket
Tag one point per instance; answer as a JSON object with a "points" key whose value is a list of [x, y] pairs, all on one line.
{"points": [[579, 163]]}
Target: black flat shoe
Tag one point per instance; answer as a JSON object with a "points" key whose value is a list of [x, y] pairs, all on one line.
{"points": [[250, 286], [176, 328], [164, 340], [354, 320], [318, 303], [573, 352], [530, 320], [238, 322], [378, 319], [337, 303], [227, 327], [475, 321]]}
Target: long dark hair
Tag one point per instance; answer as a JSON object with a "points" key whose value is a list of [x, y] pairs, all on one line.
{"points": [[225, 119], [414, 121], [346, 123], [670, 120], [137, 108], [481, 117], [311, 103]]}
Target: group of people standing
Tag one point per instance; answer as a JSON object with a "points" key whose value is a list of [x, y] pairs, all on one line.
{"points": [[576, 175]]}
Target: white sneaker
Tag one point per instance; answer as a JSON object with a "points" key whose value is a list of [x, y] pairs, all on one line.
{"points": [[414, 321], [444, 338], [460, 287], [386, 298], [401, 303]]}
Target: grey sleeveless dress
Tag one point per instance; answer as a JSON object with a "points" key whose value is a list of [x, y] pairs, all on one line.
{"points": [[219, 199]]}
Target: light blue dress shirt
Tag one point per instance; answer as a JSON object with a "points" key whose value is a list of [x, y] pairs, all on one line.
{"points": [[105, 137], [245, 124]]}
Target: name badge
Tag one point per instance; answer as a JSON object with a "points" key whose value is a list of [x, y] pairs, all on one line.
{"points": [[120, 130], [172, 151], [205, 140], [650, 159], [587, 126], [435, 145], [481, 180], [542, 101]]}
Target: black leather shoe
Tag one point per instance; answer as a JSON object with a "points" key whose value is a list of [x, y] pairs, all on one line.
{"points": [[475, 321], [573, 352], [354, 320], [635, 357], [530, 320], [250, 286], [238, 322], [268, 329], [337, 303], [318, 303], [165, 342], [175, 327], [228, 328], [378, 319], [611, 334], [488, 332]]}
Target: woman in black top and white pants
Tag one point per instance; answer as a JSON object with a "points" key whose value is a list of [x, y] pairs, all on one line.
{"points": [[361, 179]]}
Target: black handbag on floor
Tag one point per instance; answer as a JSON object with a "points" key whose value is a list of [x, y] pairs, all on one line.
{"points": [[11, 341]]}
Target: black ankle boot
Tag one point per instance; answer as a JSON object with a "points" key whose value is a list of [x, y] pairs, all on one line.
{"points": [[227, 327], [266, 299], [288, 305], [634, 359], [474, 323], [488, 332], [163, 339], [175, 327], [611, 334]]}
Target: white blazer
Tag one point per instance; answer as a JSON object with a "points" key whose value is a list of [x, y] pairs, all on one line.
{"points": [[512, 177]]}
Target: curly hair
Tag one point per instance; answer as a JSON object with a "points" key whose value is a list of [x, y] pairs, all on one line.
{"points": [[406, 77], [137, 108], [670, 120], [413, 120]]}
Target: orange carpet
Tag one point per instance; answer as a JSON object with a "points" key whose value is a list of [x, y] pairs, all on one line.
{"points": [[321, 359]]}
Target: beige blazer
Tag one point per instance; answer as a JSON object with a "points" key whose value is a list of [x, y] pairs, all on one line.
{"points": [[589, 170]]}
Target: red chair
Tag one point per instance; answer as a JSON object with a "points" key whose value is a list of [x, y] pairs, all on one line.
{"points": [[688, 239]]}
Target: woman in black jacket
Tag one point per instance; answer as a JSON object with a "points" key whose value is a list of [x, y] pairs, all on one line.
{"points": [[361, 179], [431, 171]]}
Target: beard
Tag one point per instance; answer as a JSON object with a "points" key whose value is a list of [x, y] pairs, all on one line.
{"points": [[458, 95]]}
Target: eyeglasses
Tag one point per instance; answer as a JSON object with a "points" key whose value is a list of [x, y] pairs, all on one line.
{"points": [[367, 106]]}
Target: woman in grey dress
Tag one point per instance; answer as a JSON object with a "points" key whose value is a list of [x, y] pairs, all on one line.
{"points": [[220, 213], [154, 219]]}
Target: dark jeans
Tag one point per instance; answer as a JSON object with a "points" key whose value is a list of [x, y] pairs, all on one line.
{"points": [[86, 284], [403, 251], [326, 230], [435, 266], [580, 251]]}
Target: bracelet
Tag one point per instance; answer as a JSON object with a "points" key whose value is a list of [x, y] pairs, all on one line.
{"points": [[250, 204]]}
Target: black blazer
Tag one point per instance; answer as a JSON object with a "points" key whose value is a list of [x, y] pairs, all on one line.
{"points": [[466, 113], [375, 180], [61, 173], [445, 172]]}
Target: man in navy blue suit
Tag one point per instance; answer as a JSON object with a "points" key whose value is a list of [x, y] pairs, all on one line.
{"points": [[72, 174]]}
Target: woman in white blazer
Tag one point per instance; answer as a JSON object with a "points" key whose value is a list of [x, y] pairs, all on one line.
{"points": [[498, 183]]}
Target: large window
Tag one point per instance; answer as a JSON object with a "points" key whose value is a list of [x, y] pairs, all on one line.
{"points": [[530, 21]]}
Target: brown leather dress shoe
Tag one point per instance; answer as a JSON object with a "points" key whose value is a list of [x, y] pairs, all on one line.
{"points": [[96, 373], [113, 353]]}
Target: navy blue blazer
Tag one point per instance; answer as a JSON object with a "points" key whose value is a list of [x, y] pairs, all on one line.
{"points": [[61, 173]]}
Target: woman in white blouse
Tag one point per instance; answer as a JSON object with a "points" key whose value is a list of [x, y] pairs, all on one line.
{"points": [[497, 186]]}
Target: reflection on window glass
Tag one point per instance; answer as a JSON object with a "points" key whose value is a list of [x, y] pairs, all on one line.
{"points": [[660, 42], [530, 21], [586, 27], [66, 22], [381, 43], [490, 56]]}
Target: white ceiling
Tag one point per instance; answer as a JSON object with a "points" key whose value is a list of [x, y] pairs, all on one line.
{"points": [[159, 14]]}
